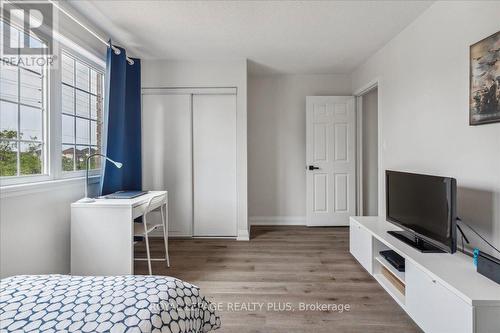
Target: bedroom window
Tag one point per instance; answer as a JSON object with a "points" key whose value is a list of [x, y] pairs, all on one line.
{"points": [[51, 109], [82, 104], [23, 113]]}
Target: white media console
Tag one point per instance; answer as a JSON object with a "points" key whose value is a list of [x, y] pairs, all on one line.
{"points": [[441, 292]]}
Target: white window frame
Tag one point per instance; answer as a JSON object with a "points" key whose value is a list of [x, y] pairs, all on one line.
{"points": [[78, 56], [46, 159], [44, 139], [53, 120]]}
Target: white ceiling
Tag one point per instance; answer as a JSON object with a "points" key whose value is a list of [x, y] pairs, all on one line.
{"points": [[306, 37]]}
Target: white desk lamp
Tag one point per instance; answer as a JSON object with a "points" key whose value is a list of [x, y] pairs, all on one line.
{"points": [[117, 164]]}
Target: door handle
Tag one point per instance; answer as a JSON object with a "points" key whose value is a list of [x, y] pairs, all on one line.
{"points": [[312, 167]]}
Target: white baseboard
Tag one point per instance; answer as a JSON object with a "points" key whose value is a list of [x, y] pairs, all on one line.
{"points": [[277, 220], [171, 234], [253, 220], [243, 235]]}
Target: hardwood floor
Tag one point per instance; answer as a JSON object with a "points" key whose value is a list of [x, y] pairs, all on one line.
{"points": [[283, 266]]}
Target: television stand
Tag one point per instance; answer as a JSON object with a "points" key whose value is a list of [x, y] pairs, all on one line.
{"points": [[418, 243], [434, 287]]}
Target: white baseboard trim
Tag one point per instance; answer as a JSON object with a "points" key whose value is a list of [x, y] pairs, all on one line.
{"points": [[159, 233], [277, 220], [243, 235]]}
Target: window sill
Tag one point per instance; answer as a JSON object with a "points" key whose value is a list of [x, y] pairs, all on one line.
{"points": [[44, 186]]}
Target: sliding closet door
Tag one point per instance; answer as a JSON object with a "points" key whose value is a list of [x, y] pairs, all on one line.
{"points": [[167, 156], [214, 165]]}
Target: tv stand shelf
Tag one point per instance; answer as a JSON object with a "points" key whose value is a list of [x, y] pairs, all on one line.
{"points": [[398, 296], [435, 286], [382, 261]]}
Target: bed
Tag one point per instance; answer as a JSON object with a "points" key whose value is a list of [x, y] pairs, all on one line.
{"points": [[134, 303]]}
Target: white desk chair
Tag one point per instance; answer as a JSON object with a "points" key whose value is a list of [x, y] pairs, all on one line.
{"points": [[144, 229]]}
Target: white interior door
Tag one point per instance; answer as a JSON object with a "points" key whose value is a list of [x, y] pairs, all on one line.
{"points": [[330, 160], [167, 156], [214, 165]]}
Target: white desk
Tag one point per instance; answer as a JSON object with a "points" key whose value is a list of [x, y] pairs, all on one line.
{"points": [[102, 234]]}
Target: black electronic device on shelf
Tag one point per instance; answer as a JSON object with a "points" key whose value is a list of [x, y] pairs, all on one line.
{"points": [[394, 259]]}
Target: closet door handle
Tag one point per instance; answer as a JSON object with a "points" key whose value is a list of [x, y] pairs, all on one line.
{"points": [[312, 167]]}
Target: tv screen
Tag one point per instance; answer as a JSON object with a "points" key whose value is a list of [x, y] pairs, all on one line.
{"points": [[424, 205]]}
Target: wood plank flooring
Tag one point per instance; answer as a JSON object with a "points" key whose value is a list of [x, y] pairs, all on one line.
{"points": [[283, 267]]}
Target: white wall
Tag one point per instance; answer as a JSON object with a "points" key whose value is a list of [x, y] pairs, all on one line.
{"points": [[35, 227], [35, 218], [423, 107], [370, 152], [171, 74], [277, 143]]}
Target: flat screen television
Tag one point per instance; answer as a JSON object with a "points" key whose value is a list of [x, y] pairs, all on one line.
{"points": [[425, 208]]}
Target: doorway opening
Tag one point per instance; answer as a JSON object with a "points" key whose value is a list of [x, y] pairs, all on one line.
{"points": [[368, 152]]}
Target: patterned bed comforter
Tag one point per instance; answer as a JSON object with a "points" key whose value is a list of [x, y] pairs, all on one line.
{"points": [[135, 303]]}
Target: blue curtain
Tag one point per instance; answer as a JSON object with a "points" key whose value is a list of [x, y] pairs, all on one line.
{"points": [[122, 118]]}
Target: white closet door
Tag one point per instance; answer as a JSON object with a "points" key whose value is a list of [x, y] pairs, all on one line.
{"points": [[167, 156], [214, 165]]}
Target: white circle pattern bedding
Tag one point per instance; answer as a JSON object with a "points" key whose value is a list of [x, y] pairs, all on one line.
{"points": [[135, 303]]}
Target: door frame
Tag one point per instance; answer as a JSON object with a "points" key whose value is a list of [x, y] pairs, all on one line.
{"points": [[358, 95]]}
